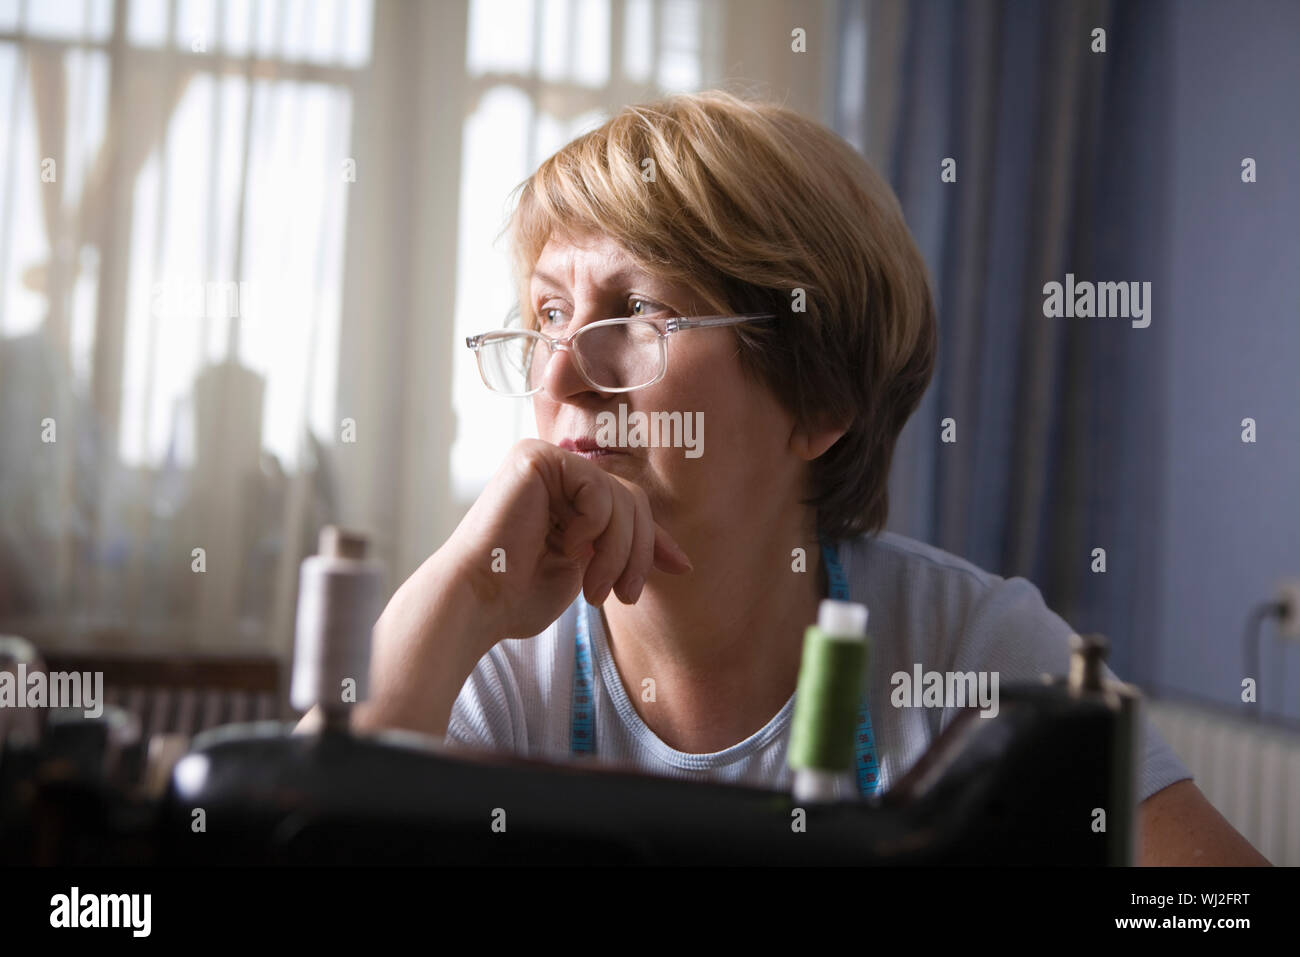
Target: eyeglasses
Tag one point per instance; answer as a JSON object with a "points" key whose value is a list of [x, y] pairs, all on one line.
{"points": [[611, 355]]}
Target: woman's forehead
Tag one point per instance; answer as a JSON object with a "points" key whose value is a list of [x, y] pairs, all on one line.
{"points": [[591, 255], [599, 261]]}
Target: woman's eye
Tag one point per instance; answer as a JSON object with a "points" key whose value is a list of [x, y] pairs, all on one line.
{"points": [[637, 306]]}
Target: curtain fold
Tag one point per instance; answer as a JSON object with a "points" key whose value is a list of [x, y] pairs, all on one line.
{"points": [[1052, 415]]}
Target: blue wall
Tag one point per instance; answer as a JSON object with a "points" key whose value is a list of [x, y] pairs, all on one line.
{"points": [[1231, 302]]}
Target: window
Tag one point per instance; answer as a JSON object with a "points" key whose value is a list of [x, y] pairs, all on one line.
{"points": [[173, 196], [541, 72]]}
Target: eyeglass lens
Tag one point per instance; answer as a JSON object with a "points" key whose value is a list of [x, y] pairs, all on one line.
{"points": [[623, 355]]}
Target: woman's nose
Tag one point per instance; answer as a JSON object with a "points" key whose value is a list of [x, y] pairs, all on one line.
{"points": [[562, 379]]}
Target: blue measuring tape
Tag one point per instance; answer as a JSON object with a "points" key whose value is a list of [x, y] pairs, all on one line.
{"points": [[582, 730]]}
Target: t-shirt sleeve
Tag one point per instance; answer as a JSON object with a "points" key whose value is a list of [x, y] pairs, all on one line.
{"points": [[1011, 630], [485, 714]]}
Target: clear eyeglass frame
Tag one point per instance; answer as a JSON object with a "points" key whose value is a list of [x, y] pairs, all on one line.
{"points": [[663, 327]]}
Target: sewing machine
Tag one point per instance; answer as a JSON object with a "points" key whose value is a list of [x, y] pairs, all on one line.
{"points": [[1049, 780]]}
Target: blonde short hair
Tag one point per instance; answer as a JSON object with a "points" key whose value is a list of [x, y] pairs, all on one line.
{"points": [[750, 202]]}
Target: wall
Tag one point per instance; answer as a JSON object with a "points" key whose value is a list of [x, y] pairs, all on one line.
{"points": [[1232, 520]]}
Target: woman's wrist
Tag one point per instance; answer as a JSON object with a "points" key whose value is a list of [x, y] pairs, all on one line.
{"points": [[454, 609], [471, 597]]}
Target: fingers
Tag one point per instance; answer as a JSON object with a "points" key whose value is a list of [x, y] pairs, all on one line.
{"points": [[608, 521], [668, 555], [587, 505], [613, 547], [641, 555]]}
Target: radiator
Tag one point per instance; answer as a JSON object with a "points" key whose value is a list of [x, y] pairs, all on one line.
{"points": [[1248, 770], [188, 711]]}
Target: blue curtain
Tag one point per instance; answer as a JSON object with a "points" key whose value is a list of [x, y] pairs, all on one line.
{"points": [[1059, 153]]}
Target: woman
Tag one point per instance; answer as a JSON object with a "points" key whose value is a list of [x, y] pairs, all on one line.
{"points": [[685, 577]]}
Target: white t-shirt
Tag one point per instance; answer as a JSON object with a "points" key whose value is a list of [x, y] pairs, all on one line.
{"points": [[927, 607]]}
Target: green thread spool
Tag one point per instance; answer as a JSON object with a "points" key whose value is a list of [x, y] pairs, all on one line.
{"points": [[831, 674]]}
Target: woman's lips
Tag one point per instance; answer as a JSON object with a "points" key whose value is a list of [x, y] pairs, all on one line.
{"points": [[588, 449], [597, 453]]}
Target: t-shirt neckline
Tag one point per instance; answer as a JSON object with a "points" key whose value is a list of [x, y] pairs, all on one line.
{"points": [[640, 731]]}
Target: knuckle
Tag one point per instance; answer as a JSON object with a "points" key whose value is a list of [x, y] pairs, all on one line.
{"points": [[531, 450], [525, 455]]}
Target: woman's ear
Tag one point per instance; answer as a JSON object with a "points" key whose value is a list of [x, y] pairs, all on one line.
{"points": [[811, 441]]}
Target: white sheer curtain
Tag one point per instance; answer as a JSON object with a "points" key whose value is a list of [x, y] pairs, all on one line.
{"points": [[173, 200]]}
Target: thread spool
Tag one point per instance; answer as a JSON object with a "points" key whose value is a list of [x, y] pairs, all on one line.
{"points": [[338, 603], [830, 686], [21, 728], [1087, 658]]}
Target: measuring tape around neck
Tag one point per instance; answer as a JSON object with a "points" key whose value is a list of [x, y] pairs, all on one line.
{"points": [[582, 731]]}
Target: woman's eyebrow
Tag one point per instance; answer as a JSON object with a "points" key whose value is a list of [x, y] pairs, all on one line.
{"points": [[618, 277]]}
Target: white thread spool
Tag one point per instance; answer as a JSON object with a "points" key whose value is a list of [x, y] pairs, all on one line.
{"points": [[338, 603]]}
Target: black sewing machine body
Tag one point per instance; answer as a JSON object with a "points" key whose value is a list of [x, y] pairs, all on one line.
{"points": [[1024, 787]]}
